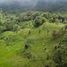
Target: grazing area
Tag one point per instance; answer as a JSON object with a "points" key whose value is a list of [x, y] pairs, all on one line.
{"points": [[33, 39]]}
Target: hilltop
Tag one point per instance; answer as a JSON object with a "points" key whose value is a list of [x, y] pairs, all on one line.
{"points": [[31, 39]]}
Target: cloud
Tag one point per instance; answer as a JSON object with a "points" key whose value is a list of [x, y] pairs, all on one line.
{"points": [[32, 2], [1, 1]]}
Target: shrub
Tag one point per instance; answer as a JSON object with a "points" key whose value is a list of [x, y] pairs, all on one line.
{"points": [[65, 27], [61, 18], [26, 46], [56, 34], [60, 54], [34, 15], [59, 57], [47, 65], [27, 54], [38, 21]]}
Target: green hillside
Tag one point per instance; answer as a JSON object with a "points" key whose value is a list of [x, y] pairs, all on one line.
{"points": [[33, 39]]}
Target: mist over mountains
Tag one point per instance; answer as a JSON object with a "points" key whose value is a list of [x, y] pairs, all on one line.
{"points": [[47, 5]]}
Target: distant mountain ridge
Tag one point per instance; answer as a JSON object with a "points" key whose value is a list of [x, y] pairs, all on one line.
{"points": [[55, 5], [47, 5]]}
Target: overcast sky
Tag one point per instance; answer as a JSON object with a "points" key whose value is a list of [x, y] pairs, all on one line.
{"points": [[2, 1], [22, 1]]}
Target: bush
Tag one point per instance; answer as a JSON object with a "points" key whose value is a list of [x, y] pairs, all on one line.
{"points": [[60, 53], [59, 33], [27, 54], [34, 15], [59, 57], [38, 21], [65, 27], [62, 19], [56, 34], [47, 65]]}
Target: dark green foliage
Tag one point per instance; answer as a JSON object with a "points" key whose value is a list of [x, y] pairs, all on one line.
{"points": [[60, 53], [65, 27], [34, 15], [61, 18], [47, 66], [38, 21], [53, 20], [48, 57], [26, 46], [27, 54], [59, 56]]}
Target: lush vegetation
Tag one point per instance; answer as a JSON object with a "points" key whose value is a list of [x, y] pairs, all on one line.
{"points": [[33, 39]]}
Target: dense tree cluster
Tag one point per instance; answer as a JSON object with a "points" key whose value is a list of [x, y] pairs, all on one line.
{"points": [[60, 54]]}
